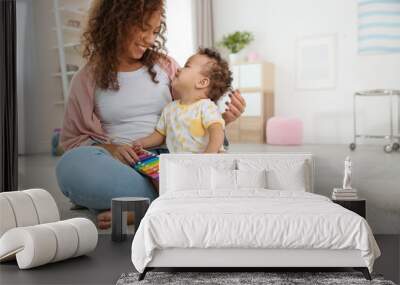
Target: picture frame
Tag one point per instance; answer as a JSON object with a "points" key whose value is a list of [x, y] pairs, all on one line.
{"points": [[316, 60]]}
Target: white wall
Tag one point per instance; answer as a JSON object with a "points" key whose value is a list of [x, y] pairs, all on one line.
{"points": [[24, 14], [38, 90], [277, 24]]}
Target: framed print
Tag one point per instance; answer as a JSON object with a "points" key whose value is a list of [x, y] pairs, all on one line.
{"points": [[316, 62]]}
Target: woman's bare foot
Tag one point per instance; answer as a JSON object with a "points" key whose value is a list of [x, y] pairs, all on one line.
{"points": [[104, 219]]}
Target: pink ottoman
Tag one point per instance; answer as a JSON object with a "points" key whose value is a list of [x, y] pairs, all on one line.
{"points": [[284, 131]]}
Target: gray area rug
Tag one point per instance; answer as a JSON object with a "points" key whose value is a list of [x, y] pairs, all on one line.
{"points": [[269, 278]]}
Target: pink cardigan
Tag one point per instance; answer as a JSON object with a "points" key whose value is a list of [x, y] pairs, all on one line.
{"points": [[81, 124]]}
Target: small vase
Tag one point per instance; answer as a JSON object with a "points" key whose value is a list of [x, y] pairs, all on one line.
{"points": [[233, 58]]}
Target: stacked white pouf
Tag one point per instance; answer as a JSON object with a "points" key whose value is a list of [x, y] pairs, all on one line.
{"points": [[32, 233]]}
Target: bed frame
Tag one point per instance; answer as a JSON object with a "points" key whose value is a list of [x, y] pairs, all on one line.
{"points": [[242, 259]]}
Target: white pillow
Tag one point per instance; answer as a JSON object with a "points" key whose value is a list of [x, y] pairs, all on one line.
{"points": [[251, 178], [288, 179], [188, 177], [229, 179], [223, 179], [282, 174]]}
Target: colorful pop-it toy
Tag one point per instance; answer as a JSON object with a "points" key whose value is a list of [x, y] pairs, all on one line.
{"points": [[148, 164]]}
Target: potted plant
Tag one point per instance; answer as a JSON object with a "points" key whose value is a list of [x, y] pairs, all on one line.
{"points": [[235, 42]]}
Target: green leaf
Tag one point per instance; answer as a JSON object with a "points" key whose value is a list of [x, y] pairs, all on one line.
{"points": [[236, 41]]}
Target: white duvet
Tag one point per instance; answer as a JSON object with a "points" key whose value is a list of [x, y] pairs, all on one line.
{"points": [[253, 218]]}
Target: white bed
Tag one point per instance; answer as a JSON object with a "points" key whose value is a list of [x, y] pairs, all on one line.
{"points": [[225, 217]]}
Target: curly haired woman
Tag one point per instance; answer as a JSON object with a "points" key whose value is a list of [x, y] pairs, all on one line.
{"points": [[117, 97]]}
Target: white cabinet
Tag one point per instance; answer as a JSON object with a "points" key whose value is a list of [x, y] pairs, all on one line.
{"points": [[235, 74], [250, 76], [254, 104], [255, 82]]}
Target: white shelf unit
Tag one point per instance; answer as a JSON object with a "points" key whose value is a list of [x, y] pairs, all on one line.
{"points": [[68, 38], [255, 81], [72, 11]]}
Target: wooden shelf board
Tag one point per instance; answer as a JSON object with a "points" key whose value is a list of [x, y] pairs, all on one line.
{"points": [[69, 29], [58, 74], [72, 11], [69, 45]]}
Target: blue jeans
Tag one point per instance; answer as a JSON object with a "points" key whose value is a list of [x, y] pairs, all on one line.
{"points": [[91, 177]]}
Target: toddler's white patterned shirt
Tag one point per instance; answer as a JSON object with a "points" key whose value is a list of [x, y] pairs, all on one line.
{"points": [[185, 126]]}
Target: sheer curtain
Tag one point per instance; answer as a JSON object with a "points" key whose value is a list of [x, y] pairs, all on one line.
{"points": [[203, 23], [180, 29], [189, 25], [8, 98]]}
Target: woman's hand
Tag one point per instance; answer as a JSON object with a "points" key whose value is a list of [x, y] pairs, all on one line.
{"points": [[137, 146], [124, 153], [235, 107]]}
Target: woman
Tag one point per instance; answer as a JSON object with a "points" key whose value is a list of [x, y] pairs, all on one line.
{"points": [[114, 99]]}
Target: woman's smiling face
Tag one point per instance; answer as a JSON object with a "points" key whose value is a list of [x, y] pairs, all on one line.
{"points": [[142, 38]]}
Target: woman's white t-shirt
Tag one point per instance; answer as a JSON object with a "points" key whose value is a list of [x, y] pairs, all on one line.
{"points": [[133, 111]]}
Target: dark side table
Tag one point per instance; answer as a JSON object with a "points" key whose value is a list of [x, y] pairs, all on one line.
{"points": [[120, 207], [358, 206]]}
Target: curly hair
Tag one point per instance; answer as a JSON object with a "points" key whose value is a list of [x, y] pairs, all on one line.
{"points": [[218, 72], [108, 24]]}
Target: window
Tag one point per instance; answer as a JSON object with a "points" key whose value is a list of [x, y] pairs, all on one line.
{"points": [[179, 29]]}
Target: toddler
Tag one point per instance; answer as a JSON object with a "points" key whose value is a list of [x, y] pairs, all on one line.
{"points": [[193, 123]]}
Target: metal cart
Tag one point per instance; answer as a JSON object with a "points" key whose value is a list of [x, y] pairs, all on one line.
{"points": [[394, 139]]}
